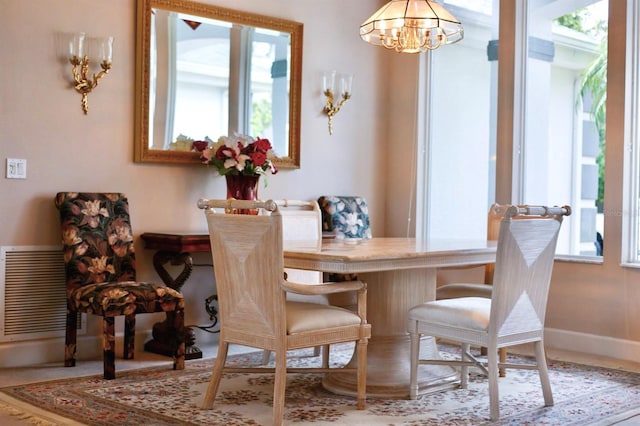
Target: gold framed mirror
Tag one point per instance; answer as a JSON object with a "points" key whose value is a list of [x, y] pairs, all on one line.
{"points": [[204, 71]]}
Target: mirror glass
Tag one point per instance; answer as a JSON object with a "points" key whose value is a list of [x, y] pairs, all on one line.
{"points": [[203, 72]]}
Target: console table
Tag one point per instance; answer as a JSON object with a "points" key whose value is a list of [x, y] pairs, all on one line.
{"points": [[174, 249]]}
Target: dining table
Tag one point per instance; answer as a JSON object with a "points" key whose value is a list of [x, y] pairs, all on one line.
{"points": [[400, 273]]}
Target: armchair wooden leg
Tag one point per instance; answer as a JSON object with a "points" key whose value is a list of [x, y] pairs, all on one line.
{"points": [[109, 343], [70, 340], [361, 348], [325, 356], [464, 370], [181, 336], [502, 352], [129, 336], [414, 355], [543, 373], [502, 357], [280, 382], [214, 382], [494, 399]]}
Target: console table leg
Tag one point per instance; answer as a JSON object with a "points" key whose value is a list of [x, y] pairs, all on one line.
{"points": [[164, 336]]}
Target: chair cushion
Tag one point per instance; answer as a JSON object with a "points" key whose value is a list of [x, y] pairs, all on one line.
{"points": [[450, 291], [467, 312], [302, 316], [124, 298]]}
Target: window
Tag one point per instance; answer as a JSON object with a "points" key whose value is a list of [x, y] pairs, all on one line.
{"points": [[561, 148], [458, 129], [557, 148]]}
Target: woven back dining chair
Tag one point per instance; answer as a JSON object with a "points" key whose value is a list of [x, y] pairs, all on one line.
{"points": [[483, 289], [248, 256], [344, 217], [301, 221], [515, 312]]}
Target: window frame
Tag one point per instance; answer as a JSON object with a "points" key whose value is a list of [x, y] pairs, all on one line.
{"points": [[630, 234]]}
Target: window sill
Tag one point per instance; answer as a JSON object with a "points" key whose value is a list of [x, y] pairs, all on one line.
{"points": [[594, 260]]}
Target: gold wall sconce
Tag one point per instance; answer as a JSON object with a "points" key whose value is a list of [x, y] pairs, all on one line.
{"points": [[84, 52], [328, 87]]}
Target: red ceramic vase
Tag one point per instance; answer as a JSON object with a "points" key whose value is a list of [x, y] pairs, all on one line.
{"points": [[242, 187]]}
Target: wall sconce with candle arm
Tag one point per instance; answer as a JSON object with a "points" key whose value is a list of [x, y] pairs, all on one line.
{"points": [[83, 52], [328, 87]]}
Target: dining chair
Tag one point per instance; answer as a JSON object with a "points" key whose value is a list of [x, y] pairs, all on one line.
{"points": [[247, 252], [301, 221], [100, 271], [483, 289], [344, 217], [515, 312]]}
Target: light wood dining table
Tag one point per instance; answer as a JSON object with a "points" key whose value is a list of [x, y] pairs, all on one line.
{"points": [[400, 273]]}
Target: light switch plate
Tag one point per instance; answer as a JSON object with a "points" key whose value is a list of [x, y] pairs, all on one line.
{"points": [[16, 168]]}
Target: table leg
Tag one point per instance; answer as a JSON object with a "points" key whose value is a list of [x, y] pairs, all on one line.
{"points": [[164, 336], [390, 294]]}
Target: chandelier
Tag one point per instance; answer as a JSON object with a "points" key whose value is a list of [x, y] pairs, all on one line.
{"points": [[411, 26]]}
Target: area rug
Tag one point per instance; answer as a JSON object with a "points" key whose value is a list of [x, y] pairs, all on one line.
{"points": [[159, 396]]}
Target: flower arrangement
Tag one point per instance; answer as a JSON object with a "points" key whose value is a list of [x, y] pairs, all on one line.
{"points": [[238, 155]]}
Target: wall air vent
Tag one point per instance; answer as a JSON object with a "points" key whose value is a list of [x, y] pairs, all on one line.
{"points": [[33, 294]]}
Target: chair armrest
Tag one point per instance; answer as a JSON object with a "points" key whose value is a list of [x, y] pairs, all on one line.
{"points": [[336, 287], [329, 288]]}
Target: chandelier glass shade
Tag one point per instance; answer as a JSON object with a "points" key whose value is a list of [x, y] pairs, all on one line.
{"points": [[412, 26]]}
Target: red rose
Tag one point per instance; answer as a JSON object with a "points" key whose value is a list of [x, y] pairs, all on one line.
{"points": [[258, 158], [244, 149], [199, 145], [221, 154], [262, 145]]}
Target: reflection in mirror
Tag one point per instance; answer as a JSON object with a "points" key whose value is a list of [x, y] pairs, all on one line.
{"points": [[207, 72]]}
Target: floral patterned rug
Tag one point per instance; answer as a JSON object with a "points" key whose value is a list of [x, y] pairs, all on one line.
{"points": [[156, 396]]}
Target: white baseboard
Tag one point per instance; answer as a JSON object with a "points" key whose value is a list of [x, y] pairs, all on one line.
{"points": [[51, 351], [628, 350]]}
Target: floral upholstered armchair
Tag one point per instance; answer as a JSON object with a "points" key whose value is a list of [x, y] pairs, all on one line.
{"points": [[101, 275], [345, 217]]}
